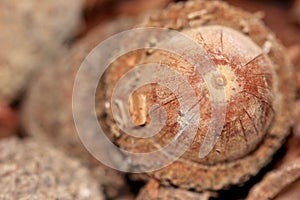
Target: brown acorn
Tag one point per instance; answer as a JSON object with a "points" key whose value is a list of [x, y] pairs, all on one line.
{"points": [[258, 82]]}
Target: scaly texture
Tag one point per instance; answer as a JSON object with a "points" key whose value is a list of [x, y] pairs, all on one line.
{"points": [[30, 170], [257, 121], [276, 182], [153, 191]]}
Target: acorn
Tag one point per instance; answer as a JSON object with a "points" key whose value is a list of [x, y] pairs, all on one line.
{"points": [[253, 72], [241, 103]]}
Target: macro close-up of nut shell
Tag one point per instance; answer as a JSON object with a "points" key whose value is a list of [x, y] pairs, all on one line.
{"points": [[259, 89], [150, 100]]}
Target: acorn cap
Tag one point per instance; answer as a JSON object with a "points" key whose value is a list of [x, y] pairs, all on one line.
{"points": [[257, 80]]}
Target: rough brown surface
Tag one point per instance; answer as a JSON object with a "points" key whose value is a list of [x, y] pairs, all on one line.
{"points": [[280, 19], [154, 191], [47, 114], [32, 33], [276, 16], [275, 183], [282, 183], [31, 170], [187, 173]]}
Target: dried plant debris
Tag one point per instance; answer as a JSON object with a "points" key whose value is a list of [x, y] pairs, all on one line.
{"points": [[276, 182], [228, 163], [154, 191], [32, 33], [282, 183], [30, 170]]}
